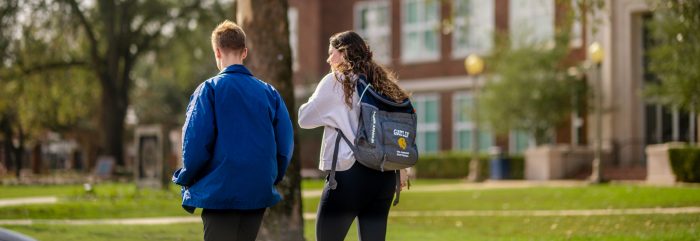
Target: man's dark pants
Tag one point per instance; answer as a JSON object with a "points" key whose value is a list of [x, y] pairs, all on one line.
{"points": [[231, 225]]}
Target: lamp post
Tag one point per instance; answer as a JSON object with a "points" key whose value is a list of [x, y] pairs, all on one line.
{"points": [[474, 66], [575, 120], [595, 52]]}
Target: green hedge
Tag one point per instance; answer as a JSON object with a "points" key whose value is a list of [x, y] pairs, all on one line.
{"points": [[686, 163], [456, 165], [517, 167]]}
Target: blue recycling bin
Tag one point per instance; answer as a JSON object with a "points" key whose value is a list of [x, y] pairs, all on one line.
{"points": [[500, 168]]}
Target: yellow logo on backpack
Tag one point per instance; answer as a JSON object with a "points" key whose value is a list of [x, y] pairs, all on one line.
{"points": [[402, 143]]}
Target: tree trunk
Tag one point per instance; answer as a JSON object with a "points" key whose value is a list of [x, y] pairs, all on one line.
{"points": [[37, 161], [19, 150], [9, 148], [7, 156], [266, 27], [113, 112]]}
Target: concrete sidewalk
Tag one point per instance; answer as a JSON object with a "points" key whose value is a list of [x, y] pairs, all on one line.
{"points": [[6, 202]]}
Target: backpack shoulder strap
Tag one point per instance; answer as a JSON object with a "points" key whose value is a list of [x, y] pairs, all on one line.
{"points": [[332, 183], [359, 102]]}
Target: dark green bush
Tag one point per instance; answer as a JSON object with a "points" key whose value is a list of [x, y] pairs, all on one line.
{"points": [[517, 167], [456, 165], [686, 163]]}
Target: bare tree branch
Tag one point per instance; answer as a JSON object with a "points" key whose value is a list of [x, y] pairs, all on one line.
{"points": [[40, 68], [54, 66], [88, 29]]}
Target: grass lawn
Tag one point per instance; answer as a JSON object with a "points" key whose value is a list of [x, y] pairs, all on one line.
{"points": [[173, 232], [124, 200], [644, 227], [651, 227], [106, 201], [36, 191], [112, 201], [19, 191], [546, 198]]}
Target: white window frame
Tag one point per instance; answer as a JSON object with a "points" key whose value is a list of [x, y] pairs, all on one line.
{"points": [[525, 15], [512, 142], [483, 15], [423, 127], [293, 20], [420, 54], [375, 33], [458, 125]]}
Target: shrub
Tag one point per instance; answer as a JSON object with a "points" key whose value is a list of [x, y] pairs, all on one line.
{"points": [[517, 166], [685, 163], [456, 165]]}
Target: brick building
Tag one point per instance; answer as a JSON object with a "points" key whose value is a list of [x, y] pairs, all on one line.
{"points": [[426, 41]]}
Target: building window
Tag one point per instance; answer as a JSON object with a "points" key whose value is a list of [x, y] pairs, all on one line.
{"points": [[372, 22], [473, 27], [293, 18], [420, 37], [519, 141], [428, 112], [532, 22], [577, 26], [463, 125]]}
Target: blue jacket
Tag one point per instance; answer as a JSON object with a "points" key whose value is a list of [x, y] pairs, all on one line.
{"points": [[237, 143]]}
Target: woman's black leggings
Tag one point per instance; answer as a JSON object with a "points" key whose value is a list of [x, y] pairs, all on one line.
{"points": [[363, 193]]}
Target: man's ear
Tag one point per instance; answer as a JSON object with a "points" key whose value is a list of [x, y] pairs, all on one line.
{"points": [[244, 54], [217, 53]]}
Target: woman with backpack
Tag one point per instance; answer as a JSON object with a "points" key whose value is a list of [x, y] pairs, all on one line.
{"points": [[355, 191]]}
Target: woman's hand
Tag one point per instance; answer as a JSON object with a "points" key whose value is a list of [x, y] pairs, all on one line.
{"points": [[404, 178]]}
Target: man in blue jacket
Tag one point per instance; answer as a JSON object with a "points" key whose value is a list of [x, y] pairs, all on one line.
{"points": [[236, 146]]}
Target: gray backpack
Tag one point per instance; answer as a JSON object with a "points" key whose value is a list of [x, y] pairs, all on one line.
{"points": [[386, 134]]}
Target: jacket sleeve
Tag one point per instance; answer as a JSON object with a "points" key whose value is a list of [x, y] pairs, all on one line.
{"points": [[284, 138], [318, 109], [198, 135]]}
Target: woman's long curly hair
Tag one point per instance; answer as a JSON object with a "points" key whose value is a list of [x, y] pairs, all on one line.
{"points": [[358, 60]]}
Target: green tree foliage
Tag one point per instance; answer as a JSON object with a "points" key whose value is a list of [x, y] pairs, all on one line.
{"points": [[675, 55], [38, 92], [44, 95], [529, 85], [111, 43], [529, 90], [167, 79]]}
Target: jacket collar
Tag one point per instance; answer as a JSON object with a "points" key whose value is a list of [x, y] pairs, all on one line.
{"points": [[236, 68]]}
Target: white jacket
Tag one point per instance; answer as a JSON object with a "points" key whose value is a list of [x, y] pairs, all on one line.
{"points": [[327, 108]]}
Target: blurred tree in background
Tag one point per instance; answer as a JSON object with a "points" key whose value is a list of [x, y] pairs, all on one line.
{"points": [[530, 86], [675, 56], [8, 9], [67, 62], [48, 96], [530, 90], [166, 79]]}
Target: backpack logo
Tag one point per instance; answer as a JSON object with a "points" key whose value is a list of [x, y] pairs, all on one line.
{"points": [[402, 143], [402, 134]]}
